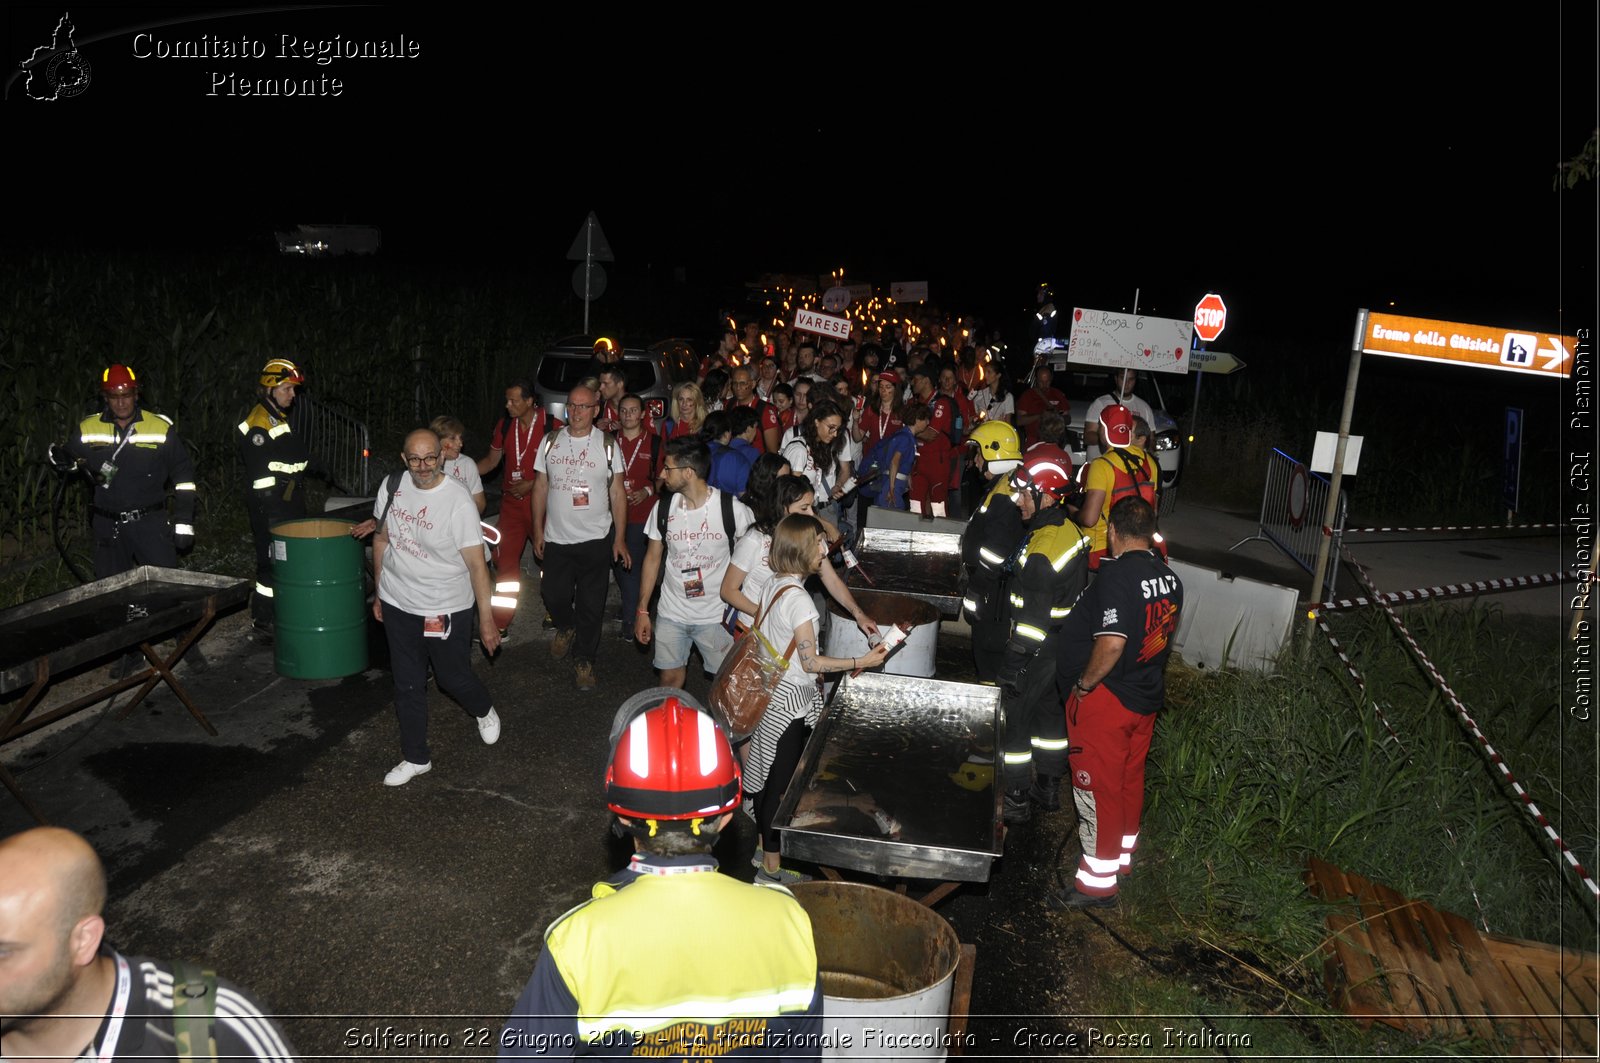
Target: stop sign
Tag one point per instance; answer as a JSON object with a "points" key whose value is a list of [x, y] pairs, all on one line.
{"points": [[1210, 314]]}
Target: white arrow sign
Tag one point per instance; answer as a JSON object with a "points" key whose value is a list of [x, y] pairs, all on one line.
{"points": [[1556, 353]]}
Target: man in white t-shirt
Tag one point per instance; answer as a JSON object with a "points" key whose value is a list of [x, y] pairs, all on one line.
{"points": [[427, 560], [690, 561], [1122, 381], [580, 517]]}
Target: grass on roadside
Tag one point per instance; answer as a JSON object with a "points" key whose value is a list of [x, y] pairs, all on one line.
{"points": [[1250, 774]]}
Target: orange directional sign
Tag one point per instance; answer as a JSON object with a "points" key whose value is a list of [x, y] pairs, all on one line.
{"points": [[1513, 350]]}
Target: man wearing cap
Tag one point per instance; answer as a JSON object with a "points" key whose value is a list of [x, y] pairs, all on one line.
{"points": [[132, 455], [1120, 394], [1123, 471], [275, 463], [634, 970]]}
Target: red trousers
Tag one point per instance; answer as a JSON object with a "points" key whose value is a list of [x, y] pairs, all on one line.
{"points": [[928, 486], [1106, 754], [516, 532]]}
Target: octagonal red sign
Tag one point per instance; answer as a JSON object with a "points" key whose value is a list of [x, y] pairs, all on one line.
{"points": [[1210, 315]]}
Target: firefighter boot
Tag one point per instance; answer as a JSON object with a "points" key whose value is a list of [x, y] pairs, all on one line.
{"points": [[1017, 808], [1046, 793]]}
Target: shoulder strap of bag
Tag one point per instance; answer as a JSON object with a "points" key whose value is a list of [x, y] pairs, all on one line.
{"points": [[755, 624], [392, 482]]}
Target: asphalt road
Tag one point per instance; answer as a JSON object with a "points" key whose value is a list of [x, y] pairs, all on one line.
{"points": [[275, 852]]}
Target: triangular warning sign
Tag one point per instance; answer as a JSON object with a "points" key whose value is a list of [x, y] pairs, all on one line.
{"points": [[591, 242]]}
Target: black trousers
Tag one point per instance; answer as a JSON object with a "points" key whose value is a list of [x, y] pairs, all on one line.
{"points": [[410, 653], [1036, 722], [120, 546], [784, 763], [266, 508], [576, 579]]}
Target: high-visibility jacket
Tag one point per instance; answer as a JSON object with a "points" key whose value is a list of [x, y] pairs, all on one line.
{"points": [[637, 968], [275, 459], [1122, 472], [147, 456], [1052, 570], [989, 542]]}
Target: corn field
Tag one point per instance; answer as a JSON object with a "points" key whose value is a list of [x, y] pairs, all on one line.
{"points": [[394, 348]]}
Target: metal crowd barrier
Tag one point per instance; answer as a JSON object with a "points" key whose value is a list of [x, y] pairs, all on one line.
{"points": [[337, 441], [1292, 505]]}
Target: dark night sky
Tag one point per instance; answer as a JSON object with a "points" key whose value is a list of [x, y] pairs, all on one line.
{"points": [[1303, 166]]}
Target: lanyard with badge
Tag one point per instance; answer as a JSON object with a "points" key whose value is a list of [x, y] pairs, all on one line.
{"points": [[580, 491], [629, 459], [694, 584], [521, 448], [108, 1046]]}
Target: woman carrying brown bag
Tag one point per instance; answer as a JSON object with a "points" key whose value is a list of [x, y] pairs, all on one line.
{"points": [[799, 550]]}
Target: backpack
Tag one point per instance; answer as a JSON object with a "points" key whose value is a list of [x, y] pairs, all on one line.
{"points": [[957, 431], [1134, 477], [729, 525], [194, 1011]]}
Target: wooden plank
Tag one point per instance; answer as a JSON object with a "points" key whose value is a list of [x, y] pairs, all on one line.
{"points": [[961, 998], [1479, 994], [1543, 1016], [1362, 990], [1390, 958]]}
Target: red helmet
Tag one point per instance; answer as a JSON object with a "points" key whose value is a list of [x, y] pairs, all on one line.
{"points": [[607, 349], [118, 379], [1116, 426], [281, 371], [670, 760], [1045, 469]]}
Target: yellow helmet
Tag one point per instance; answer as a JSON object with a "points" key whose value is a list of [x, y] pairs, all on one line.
{"points": [[996, 441], [281, 371]]}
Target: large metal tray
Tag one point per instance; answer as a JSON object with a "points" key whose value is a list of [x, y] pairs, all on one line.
{"points": [[91, 621], [925, 565], [923, 752]]}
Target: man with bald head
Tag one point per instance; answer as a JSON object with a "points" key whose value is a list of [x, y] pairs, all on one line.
{"points": [[427, 560], [580, 522], [67, 994]]}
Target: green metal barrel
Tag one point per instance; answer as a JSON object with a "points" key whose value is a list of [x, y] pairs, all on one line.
{"points": [[319, 599]]}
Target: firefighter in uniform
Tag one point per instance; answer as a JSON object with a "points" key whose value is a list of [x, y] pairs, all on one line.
{"points": [[1052, 567], [1114, 653], [132, 455], [637, 969], [275, 462], [988, 544]]}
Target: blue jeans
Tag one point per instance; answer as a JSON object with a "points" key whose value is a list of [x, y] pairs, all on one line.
{"points": [[628, 578]]}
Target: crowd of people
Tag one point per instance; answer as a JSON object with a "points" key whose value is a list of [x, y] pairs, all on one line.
{"points": [[720, 516]]}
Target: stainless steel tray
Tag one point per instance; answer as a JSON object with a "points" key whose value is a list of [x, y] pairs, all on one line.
{"points": [[899, 779], [79, 625], [925, 565]]}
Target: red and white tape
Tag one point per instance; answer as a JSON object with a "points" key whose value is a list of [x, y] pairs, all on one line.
{"points": [[1452, 590], [1457, 527], [1492, 754]]}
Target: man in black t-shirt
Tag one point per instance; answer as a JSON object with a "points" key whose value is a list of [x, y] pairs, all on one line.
{"points": [[1115, 644]]}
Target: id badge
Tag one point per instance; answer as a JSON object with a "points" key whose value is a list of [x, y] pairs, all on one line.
{"points": [[516, 476], [693, 585], [436, 627], [580, 498]]}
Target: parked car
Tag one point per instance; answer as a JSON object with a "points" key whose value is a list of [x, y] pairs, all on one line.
{"points": [[652, 371], [1083, 384]]}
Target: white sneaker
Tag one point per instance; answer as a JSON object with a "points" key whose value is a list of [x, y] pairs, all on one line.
{"points": [[405, 771], [489, 727]]}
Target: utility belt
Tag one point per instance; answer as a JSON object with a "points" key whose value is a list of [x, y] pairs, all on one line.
{"points": [[126, 516]]}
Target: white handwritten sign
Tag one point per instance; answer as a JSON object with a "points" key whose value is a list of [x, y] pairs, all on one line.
{"points": [[1103, 337], [822, 324]]}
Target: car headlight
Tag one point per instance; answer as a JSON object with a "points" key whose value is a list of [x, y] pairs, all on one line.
{"points": [[1167, 440]]}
